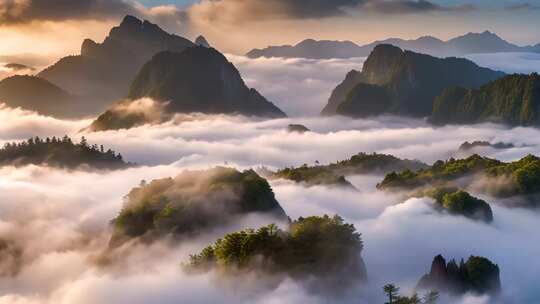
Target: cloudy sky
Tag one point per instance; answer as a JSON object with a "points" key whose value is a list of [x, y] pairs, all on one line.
{"points": [[53, 28]]}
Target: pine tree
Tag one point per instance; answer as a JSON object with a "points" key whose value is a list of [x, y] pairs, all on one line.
{"points": [[392, 292]]}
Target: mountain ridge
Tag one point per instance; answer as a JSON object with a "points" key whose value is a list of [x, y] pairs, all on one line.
{"points": [[394, 81], [470, 43], [105, 70], [197, 80]]}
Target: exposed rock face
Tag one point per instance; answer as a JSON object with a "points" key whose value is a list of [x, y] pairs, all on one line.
{"points": [[339, 94], [478, 275], [36, 94], [193, 202], [513, 100], [201, 41], [198, 79], [470, 43], [404, 83], [103, 71]]}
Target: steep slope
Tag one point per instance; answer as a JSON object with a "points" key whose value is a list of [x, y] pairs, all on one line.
{"points": [[36, 94], [199, 79], [103, 71], [339, 94], [514, 100], [406, 83]]}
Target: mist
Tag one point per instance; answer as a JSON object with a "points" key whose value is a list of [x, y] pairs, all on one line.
{"points": [[57, 222]]}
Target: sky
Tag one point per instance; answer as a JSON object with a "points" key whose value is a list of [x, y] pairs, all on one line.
{"points": [[49, 30]]}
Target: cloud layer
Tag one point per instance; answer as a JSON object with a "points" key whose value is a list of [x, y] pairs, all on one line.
{"points": [[59, 220]]}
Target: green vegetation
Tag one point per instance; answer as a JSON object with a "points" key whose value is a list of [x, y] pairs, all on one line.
{"points": [[478, 275], [521, 177], [514, 100], [324, 251], [191, 202], [392, 292], [60, 152], [404, 83], [459, 202], [334, 174]]}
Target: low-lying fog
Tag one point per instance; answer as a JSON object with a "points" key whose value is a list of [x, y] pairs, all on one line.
{"points": [[60, 219]]}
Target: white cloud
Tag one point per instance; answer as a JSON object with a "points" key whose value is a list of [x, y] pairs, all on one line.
{"points": [[61, 218]]}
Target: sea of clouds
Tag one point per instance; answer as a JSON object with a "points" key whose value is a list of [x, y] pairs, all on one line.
{"points": [[60, 219]]}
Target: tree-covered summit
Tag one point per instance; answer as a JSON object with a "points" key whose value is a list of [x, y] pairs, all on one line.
{"points": [[513, 100], [459, 202], [321, 252], [478, 275], [60, 152], [193, 202], [335, 173]]}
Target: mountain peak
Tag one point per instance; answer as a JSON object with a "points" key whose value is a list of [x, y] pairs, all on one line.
{"points": [[201, 41], [131, 21]]}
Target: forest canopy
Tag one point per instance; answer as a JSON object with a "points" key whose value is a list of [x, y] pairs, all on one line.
{"points": [[325, 250], [60, 152]]}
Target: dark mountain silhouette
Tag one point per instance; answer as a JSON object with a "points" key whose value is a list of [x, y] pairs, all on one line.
{"points": [[103, 72], [513, 100], [37, 94], [478, 275], [198, 79], [403, 83], [309, 48], [201, 41], [471, 43]]}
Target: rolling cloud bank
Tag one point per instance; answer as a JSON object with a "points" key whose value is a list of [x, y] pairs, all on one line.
{"points": [[55, 224]]}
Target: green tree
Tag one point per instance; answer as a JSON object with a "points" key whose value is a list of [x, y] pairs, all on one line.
{"points": [[391, 292]]}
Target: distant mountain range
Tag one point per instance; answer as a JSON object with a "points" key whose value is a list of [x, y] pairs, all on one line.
{"points": [[37, 94], [471, 43], [403, 83]]}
